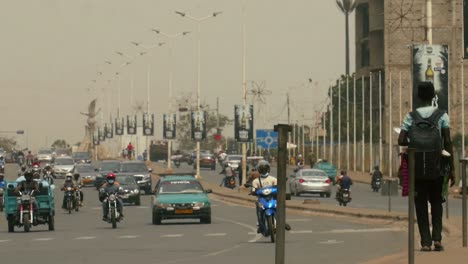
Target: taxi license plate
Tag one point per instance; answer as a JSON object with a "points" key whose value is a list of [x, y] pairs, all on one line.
{"points": [[183, 211]]}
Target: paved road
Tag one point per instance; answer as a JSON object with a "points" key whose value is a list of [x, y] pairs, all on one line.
{"points": [[83, 238], [363, 196]]}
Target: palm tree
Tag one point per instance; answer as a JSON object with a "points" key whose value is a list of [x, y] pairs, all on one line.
{"points": [[347, 7]]}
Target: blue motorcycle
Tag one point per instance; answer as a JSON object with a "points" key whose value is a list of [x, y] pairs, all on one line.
{"points": [[267, 203]]}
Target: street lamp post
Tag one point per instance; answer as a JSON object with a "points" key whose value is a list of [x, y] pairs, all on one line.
{"points": [[171, 38], [198, 20]]}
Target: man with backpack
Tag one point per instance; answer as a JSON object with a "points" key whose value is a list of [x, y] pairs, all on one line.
{"points": [[426, 129]]}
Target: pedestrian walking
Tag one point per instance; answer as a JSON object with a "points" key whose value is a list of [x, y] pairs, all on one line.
{"points": [[312, 159], [129, 150], [427, 130]]}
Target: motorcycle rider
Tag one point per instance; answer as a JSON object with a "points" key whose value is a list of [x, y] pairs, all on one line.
{"points": [[29, 159], [110, 186], [36, 162], [376, 174], [79, 183], [46, 169], [68, 183], [2, 163], [36, 170], [265, 180], [228, 173], [343, 182]]}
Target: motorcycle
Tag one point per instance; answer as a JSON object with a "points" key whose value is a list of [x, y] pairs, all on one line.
{"points": [[344, 197], [20, 160], [376, 185], [113, 213], [230, 182], [267, 203], [48, 177], [176, 159], [78, 198], [177, 163], [26, 210], [1, 200], [70, 200]]}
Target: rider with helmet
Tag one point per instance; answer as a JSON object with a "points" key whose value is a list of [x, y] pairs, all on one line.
{"points": [[265, 180], [22, 171], [36, 170], [28, 184], [110, 186], [343, 182], [68, 183], [79, 183]]}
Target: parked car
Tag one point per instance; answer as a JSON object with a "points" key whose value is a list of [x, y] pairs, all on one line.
{"points": [[87, 173], [310, 181], [81, 157], [138, 169], [130, 188], [233, 161], [105, 167], [180, 196], [62, 166]]}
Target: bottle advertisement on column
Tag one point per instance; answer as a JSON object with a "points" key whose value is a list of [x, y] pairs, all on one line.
{"points": [[198, 123], [430, 64], [119, 126], [243, 123], [148, 124], [169, 126], [131, 125]]}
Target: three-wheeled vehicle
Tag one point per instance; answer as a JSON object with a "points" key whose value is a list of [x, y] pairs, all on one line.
{"points": [[29, 209]]}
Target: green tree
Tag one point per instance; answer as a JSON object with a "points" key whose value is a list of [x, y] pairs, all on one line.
{"points": [[184, 138], [346, 7], [60, 144], [7, 143]]}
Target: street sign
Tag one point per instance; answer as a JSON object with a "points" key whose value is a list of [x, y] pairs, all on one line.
{"points": [[266, 138]]}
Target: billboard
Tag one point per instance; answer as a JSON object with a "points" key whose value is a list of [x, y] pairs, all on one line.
{"points": [[198, 125], [119, 126], [430, 63], [148, 124], [131, 125], [169, 126], [243, 123]]}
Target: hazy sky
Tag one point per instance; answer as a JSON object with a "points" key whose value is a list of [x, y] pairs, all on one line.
{"points": [[52, 50]]}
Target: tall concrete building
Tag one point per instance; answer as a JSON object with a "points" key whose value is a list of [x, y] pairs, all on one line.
{"points": [[385, 31]]}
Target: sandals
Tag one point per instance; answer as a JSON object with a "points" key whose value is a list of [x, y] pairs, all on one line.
{"points": [[425, 248]]}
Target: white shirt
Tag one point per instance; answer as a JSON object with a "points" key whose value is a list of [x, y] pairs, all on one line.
{"points": [[267, 181]]}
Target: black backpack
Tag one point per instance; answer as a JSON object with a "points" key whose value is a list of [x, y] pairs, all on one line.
{"points": [[425, 137]]}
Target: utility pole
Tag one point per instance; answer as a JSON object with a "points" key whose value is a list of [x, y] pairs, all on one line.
{"points": [[289, 123]]}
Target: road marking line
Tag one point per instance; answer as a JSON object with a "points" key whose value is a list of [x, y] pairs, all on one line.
{"points": [[252, 229], [370, 230], [215, 234], [124, 237], [299, 220], [222, 251], [43, 239], [143, 207], [331, 242], [173, 235], [5, 240], [301, 232], [96, 208], [85, 238]]}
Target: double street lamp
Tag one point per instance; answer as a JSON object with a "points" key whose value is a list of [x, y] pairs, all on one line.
{"points": [[198, 20]]}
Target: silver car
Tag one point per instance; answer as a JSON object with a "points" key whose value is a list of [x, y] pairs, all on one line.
{"points": [[62, 166], [233, 161], [310, 181], [45, 155]]}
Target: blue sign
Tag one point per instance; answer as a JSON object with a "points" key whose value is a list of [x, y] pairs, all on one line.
{"points": [[266, 138]]}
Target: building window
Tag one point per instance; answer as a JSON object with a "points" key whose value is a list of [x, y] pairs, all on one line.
{"points": [[365, 53], [365, 20]]}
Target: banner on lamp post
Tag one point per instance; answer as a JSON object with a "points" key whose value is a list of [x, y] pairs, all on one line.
{"points": [[131, 125], [101, 135], [109, 130], [169, 126], [148, 124], [243, 123], [198, 125], [119, 126], [95, 140], [429, 63]]}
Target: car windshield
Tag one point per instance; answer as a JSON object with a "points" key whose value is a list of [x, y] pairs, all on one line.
{"points": [[80, 155], [64, 162], [133, 167], [45, 151], [110, 166], [84, 169], [313, 173], [182, 186], [125, 180]]}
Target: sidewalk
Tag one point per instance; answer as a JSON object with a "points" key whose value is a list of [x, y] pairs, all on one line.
{"points": [[454, 253]]}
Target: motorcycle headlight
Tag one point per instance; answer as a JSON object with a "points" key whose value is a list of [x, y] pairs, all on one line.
{"points": [[68, 188], [136, 191], [266, 191]]}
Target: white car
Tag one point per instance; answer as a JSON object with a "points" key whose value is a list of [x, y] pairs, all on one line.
{"points": [[62, 166], [233, 161], [45, 155]]}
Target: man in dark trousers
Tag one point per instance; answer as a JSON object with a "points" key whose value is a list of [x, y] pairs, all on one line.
{"points": [[428, 179]]}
